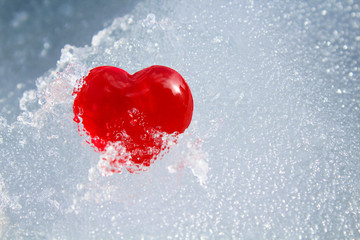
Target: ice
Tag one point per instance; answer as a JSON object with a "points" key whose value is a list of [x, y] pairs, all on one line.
{"points": [[272, 151]]}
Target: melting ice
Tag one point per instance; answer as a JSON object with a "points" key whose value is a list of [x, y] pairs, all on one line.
{"points": [[272, 152]]}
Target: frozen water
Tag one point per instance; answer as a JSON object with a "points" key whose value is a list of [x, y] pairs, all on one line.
{"points": [[33, 32], [272, 152]]}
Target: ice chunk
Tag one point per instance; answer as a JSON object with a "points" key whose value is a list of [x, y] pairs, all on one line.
{"points": [[272, 152]]}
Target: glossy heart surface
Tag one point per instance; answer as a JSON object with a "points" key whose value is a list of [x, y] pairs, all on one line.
{"points": [[132, 113]]}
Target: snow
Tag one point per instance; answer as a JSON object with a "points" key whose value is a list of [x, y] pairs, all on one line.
{"points": [[272, 151]]}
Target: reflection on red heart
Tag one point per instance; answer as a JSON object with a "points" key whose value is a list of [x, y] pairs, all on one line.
{"points": [[132, 115]]}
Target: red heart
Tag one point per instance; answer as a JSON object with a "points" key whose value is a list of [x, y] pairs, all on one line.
{"points": [[136, 111]]}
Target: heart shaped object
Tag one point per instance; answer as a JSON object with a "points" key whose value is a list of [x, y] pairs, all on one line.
{"points": [[132, 113]]}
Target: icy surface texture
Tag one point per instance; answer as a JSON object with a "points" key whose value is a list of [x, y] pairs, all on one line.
{"points": [[32, 34], [272, 152]]}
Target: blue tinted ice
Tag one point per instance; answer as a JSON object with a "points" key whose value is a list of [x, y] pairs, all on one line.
{"points": [[272, 152]]}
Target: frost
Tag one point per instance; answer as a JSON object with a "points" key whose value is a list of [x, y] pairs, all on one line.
{"points": [[29, 98], [6, 202], [272, 151]]}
